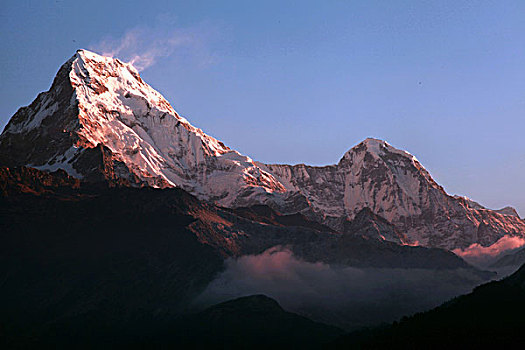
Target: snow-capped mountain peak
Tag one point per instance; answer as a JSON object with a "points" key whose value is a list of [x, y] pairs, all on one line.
{"points": [[144, 138], [101, 121], [378, 149], [114, 89]]}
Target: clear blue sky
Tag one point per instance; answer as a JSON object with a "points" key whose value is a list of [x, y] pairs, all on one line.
{"points": [[303, 81]]}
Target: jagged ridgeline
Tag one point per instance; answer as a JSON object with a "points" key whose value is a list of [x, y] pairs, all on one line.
{"points": [[101, 121]]}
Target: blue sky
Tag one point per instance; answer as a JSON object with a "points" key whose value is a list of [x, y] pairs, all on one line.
{"points": [[303, 81]]}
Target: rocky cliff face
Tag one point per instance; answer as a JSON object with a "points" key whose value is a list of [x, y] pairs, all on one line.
{"points": [[101, 122]]}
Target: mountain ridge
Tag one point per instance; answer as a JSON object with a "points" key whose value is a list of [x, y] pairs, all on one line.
{"points": [[101, 121]]}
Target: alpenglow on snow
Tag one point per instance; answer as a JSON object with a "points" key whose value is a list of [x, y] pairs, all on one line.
{"points": [[101, 122]]}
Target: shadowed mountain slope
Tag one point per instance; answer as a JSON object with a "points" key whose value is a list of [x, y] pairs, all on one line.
{"points": [[492, 315]]}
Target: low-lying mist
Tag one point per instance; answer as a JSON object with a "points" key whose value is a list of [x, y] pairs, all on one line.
{"points": [[344, 296]]}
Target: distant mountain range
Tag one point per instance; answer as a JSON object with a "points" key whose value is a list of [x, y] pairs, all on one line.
{"points": [[100, 120]]}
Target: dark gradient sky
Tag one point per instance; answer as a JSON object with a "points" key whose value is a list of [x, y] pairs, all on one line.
{"points": [[303, 81]]}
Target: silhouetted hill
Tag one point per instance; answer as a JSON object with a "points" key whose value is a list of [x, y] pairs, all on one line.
{"points": [[252, 322]]}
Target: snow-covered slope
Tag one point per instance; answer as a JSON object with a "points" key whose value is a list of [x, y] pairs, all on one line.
{"points": [[394, 185], [98, 100], [99, 120]]}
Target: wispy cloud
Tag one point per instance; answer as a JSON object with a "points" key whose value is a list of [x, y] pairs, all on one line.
{"points": [[143, 46]]}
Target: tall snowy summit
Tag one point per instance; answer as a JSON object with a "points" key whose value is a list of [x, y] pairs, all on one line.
{"points": [[100, 121]]}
